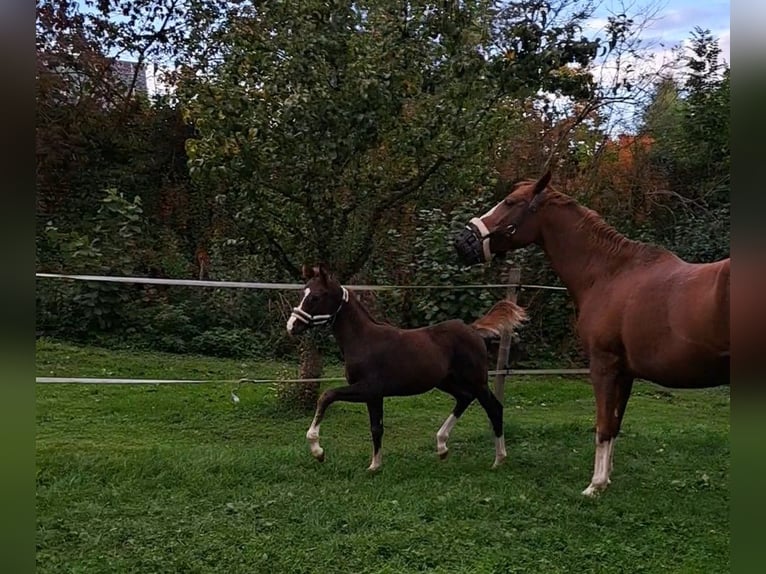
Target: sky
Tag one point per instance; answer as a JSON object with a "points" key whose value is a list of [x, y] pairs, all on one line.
{"points": [[664, 25], [672, 21], [677, 18]]}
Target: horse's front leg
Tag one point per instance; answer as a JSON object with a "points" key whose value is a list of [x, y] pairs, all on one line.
{"points": [[604, 377], [353, 393], [624, 388], [375, 410]]}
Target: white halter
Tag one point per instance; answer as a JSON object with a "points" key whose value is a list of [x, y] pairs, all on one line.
{"points": [[312, 320]]}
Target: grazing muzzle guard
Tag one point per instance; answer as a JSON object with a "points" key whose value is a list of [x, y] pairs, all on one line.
{"points": [[315, 320], [472, 243]]}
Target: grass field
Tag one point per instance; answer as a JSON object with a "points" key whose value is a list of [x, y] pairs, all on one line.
{"points": [[179, 479]]}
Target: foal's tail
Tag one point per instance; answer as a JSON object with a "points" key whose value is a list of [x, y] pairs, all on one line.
{"points": [[503, 315]]}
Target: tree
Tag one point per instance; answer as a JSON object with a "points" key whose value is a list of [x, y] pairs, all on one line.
{"points": [[688, 119], [317, 121]]}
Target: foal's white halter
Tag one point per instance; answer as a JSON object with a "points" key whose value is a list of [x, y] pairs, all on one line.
{"points": [[312, 320]]}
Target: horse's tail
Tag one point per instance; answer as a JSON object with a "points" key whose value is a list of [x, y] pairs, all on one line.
{"points": [[503, 315]]}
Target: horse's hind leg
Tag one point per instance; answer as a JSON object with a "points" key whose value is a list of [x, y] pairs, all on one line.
{"points": [[494, 410], [375, 410], [462, 400]]}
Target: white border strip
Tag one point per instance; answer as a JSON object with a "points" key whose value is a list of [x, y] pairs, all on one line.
{"points": [[98, 381], [275, 286]]}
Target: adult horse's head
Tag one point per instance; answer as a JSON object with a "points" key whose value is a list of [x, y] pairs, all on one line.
{"points": [[323, 298], [511, 224]]}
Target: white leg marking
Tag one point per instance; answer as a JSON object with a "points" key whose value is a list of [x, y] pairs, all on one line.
{"points": [[500, 453], [291, 321], [443, 434], [600, 469], [313, 437], [376, 460]]}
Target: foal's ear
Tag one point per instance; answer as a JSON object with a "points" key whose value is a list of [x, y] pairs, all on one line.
{"points": [[322, 272], [542, 183]]}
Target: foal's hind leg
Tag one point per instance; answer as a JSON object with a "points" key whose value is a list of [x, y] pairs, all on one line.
{"points": [[494, 410], [462, 400]]}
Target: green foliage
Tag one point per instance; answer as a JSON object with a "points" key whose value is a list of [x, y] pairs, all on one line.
{"points": [[358, 134], [690, 126], [318, 120], [430, 260], [703, 235], [110, 250], [225, 343]]}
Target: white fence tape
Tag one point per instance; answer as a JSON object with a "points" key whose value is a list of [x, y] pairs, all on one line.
{"points": [[275, 286], [100, 381]]}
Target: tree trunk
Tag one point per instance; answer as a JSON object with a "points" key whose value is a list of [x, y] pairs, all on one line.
{"points": [[303, 396]]}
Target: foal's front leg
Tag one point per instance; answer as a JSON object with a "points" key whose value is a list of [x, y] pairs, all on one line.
{"points": [[353, 394], [375, 410]]}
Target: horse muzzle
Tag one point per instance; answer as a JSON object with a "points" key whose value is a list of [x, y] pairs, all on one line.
{"points": [[472, 244]]}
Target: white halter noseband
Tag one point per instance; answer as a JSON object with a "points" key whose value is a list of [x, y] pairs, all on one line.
{"points": [[313, 320]]}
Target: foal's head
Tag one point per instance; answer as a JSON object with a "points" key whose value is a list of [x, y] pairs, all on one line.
{"points": [[511, 224], [323, 298]]}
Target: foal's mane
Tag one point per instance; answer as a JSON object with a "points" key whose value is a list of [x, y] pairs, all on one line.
{"points": [[601, 235], [367, 313]]}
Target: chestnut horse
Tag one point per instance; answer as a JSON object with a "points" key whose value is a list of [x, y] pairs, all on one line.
{"points": [[642, 312], [383, 361]]}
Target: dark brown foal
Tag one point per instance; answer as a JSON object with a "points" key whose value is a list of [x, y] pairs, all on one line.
{"points": [[384, 361]]}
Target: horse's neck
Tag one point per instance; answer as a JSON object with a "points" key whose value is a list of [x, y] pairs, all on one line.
{"points": [[351, 325], [581, 247]]}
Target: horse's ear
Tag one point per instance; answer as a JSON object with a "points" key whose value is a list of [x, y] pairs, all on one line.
{"points": [[542, 183], [307, 272]]}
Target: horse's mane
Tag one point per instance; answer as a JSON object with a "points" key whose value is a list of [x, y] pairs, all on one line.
{"points": [[603, 236]]}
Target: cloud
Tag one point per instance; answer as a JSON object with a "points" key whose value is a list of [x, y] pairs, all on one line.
{"points": [[661, 28], [724, 41], [681, 20]]}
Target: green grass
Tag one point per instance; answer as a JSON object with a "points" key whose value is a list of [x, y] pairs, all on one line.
{"points": [[179, 479]]}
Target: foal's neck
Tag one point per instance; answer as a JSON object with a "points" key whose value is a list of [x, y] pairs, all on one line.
{"points": [[351, 325], [582, 248]]}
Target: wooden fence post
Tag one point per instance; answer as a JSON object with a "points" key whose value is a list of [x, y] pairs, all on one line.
{"points": [[504, 350]]}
